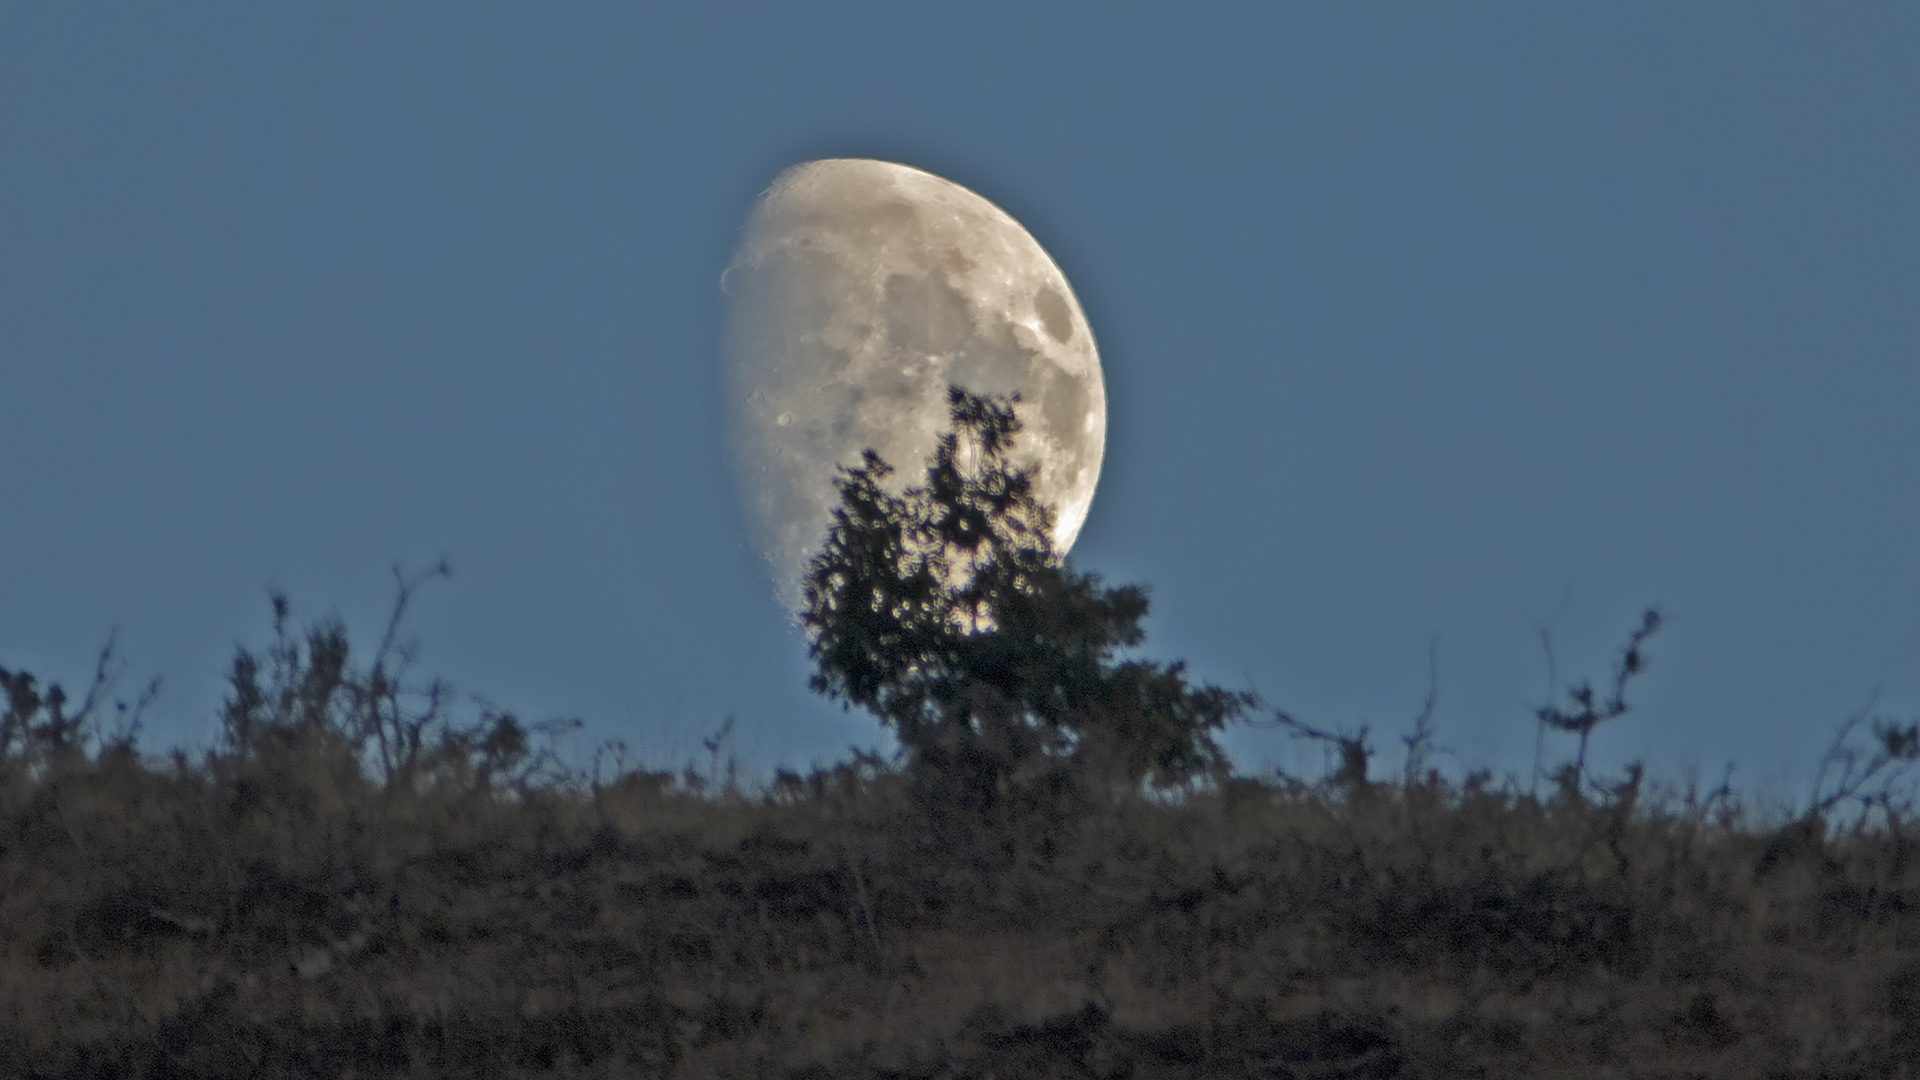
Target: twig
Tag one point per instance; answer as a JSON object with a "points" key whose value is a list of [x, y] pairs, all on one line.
{"points": [[860, 890], [1098, 890], [1422, 733], [196, 927], [1545, 632]]}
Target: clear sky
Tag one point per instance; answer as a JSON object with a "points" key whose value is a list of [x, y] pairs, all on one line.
{"points": [[1419, 323]]}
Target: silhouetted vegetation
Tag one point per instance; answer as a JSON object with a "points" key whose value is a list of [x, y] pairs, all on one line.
{"points": [[945, 612], [1057, 877]]}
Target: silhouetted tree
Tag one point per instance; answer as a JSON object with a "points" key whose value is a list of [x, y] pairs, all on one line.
{"points": [[946, 613]]}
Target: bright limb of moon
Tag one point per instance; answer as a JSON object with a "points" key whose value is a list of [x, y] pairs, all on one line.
{"points": [[860, 289]]}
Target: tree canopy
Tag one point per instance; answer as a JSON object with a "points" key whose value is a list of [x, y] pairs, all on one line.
{"points": [[945, 611]]}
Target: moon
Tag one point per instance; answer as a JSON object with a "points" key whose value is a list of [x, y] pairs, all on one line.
{"points": [[859, 290]]}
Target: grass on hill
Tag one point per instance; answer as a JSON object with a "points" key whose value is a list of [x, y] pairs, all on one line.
{"points": [[354, 885]]}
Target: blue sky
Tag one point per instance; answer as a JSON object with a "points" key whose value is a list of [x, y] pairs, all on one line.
{"points": [[1419, 323]]}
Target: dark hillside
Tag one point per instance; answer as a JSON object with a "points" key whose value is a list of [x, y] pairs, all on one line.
{"points": [[278, 915], [1057, 878]]}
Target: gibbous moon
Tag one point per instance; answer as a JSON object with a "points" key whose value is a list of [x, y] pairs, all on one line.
{"points": [[859, 291]]}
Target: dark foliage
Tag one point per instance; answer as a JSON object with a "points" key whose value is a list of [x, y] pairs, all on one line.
{"points": [[945, 611]]}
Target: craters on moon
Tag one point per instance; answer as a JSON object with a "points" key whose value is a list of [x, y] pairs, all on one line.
{"points": [[1054, 316], [859, 291]]}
